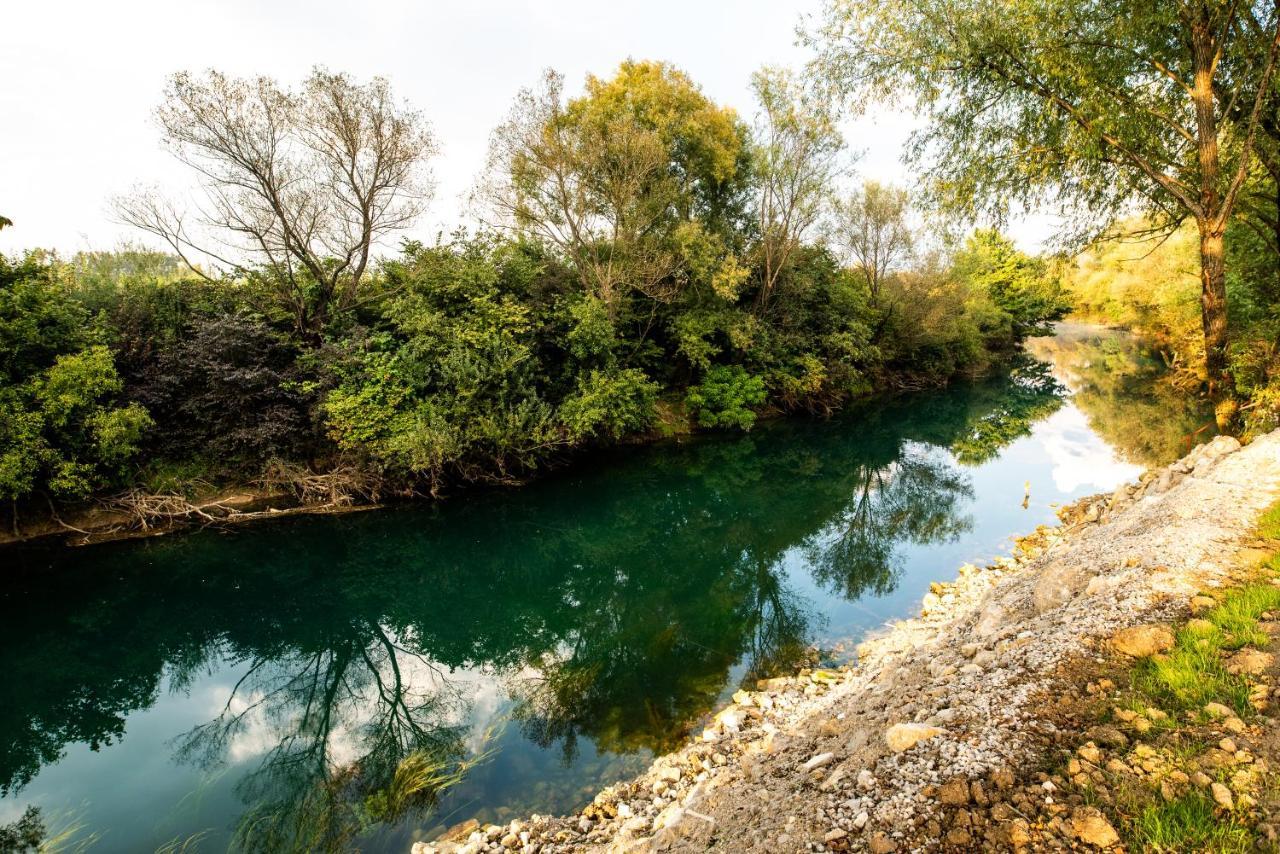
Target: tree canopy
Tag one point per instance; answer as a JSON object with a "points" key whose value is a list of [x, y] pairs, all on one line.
{"points": [[1092, 106]]}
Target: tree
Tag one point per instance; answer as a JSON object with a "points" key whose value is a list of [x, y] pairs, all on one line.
{"points": [[298, 184], [797, 144], [5, 222], [1092, 104], [630, 182], [871, 225], [1023, 289], [1260, 199]]}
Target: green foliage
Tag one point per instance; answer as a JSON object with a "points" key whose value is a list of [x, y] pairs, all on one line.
{"points": [[1151, 283], [1146, 283], [609, 405], [1025, 292], [726, 397], [591, 337], [1097, 107], [655, 247], [63, 430], [453, 385]]}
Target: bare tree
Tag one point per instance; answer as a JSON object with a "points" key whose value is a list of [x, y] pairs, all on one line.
{"points": [[797, 151], [301, 184], [871, 226]]}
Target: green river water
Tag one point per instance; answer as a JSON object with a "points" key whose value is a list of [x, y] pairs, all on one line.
{"points": [[259, 688]]}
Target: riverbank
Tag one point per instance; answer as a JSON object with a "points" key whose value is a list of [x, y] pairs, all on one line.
{"points": [[290, 490], [945, 716]]}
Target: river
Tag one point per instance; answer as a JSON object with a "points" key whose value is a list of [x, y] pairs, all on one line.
{"points": [[361, 681]]}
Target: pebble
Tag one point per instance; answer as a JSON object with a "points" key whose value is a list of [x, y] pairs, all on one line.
{"points": [[818, 761], [1222, 796]]}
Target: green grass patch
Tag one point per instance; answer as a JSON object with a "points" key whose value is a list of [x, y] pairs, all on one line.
{"points": [[1193, 673], [1269, 523], [1188, 823]]}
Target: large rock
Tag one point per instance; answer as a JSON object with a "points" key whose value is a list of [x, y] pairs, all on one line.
{"points": [[1059, 583], [1143, 641], [1092, 828], [1252, 662], [1208, 454], [954, 792], [902, 737]]}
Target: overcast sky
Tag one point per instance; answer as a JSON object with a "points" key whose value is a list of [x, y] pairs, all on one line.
{"points": [[79, 80]]}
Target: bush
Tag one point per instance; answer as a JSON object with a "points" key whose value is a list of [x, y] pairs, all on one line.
{"points": [[228, 390], [725, 397], [64, 432], [609, 405]]}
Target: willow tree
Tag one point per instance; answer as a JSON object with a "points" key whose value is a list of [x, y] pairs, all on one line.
{"points": [[1094, 105]]}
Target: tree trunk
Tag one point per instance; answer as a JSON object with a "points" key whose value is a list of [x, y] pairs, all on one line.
{"points": [[1213, 311], [1212, 225], [1276, 224]]}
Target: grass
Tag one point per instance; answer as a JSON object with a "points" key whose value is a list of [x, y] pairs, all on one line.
{"points": [[1269, 523], [187, 479], [1188, 823], [1193, 673]]}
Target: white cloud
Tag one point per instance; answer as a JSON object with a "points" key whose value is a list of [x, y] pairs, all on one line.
{"points": [[1080, 458]]}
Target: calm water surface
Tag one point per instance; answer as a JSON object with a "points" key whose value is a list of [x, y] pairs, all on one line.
{"points": [[311, 683]]}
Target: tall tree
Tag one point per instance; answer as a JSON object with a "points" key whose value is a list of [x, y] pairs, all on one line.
{"points": [[797, 148], [627, 181], [871, 226], [298, 184], [1095, 105]]}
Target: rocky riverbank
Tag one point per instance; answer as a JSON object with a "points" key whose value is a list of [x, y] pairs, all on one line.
{"points": [[937, 736]]}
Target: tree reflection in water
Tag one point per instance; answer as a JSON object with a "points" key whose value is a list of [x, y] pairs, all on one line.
{"points": [[361, 732], [610, 605], [1119, 382], [915, 499]]}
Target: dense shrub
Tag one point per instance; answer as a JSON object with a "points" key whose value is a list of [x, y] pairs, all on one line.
{"points": [[726, 397], [670, 274], [64, 430], [229, 391]]}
